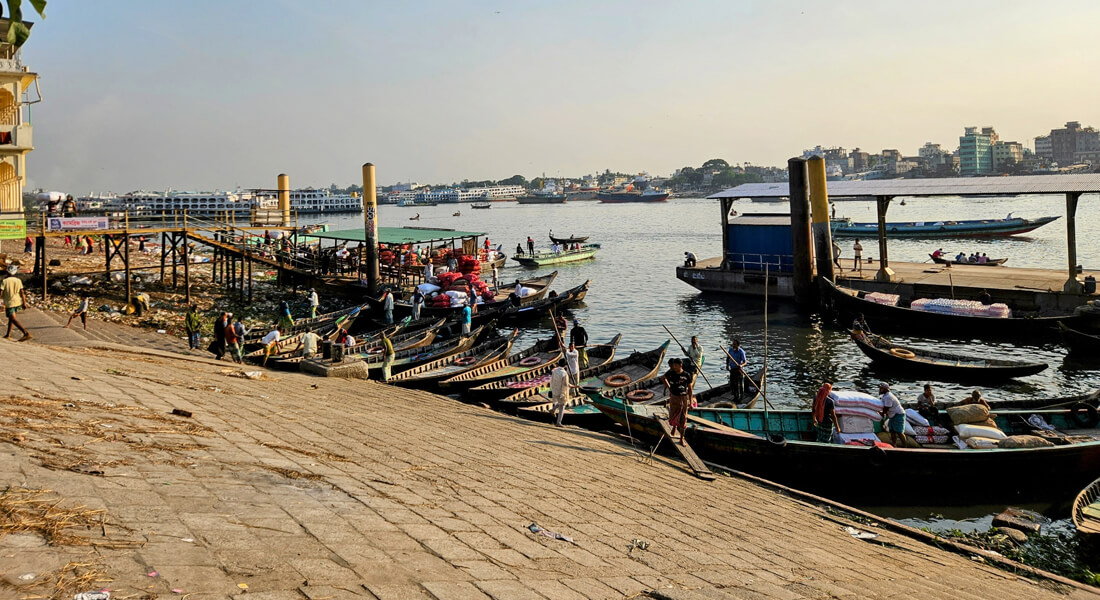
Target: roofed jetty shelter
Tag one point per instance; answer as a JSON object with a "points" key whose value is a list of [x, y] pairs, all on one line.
{"points": [[735, 272], [402, 249]]}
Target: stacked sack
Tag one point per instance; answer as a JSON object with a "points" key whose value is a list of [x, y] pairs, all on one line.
{"points": [[974, 426], [923, 431], [856, 415]]}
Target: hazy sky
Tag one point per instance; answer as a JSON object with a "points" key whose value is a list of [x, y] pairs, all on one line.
{"points": [[214, 94]]}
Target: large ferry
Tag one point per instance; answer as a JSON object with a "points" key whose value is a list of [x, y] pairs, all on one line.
{"points": [[638, 191], [238, 203], [549, 194]]}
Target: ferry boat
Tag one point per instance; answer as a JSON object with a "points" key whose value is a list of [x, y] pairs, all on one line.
{"points": [[638, 191], [310, 201], [217, 203], [549, 194]]}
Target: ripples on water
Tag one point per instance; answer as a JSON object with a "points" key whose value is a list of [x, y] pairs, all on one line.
{"points": [[634, 287]]}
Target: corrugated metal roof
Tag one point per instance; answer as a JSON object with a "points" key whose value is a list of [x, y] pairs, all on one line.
{"points": [[957, 186], [397, 235], [761, 219]]}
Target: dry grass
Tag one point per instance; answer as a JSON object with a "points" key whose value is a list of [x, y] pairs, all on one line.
{"points": [[42, 513], [63, 583]]}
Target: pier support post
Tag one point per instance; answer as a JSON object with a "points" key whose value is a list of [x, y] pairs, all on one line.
{"points": [[370, 227], [126, 264], [885, 274], [800, 231], [284, 198], [726, 203], [1072, 286], [186, 267], [819, 205]]}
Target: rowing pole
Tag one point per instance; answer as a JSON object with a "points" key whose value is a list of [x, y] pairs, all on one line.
{"points": [[698, 367]]}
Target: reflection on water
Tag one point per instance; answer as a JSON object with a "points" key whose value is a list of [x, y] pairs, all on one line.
{"points": [[634, 288]]}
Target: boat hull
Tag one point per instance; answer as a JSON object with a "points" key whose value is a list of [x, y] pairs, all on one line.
{"points": [[946, 229], [555, 259], [964, 369], [624, 197]]}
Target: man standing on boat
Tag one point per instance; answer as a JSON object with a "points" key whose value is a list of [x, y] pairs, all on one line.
{"points": [[824, 414], [314, 303], [893, 414], [857, 248], [387, 356], [530, 245], [417, 302], [579, 337], [678, 382], [735, 363], [695, 358], [572, 358], [467, 319], [387, 306]]}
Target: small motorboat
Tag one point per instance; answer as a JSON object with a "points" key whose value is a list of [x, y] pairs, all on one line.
{"points": [[416, 218], [457, 214]]}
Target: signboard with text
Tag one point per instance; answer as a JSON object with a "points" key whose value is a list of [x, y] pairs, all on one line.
{"points": [[13, 229], [76, 223]]}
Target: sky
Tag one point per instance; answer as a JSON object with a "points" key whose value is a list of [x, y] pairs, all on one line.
{"points": [[206, 94]]}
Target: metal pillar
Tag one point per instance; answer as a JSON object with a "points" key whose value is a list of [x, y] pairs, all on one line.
{"points": [[819, 203], [800, 231], [284, 198], [186, 266], [1072, 286], [726, 203], [885, 273], [40, 249], [370, 226], [126, 263]]}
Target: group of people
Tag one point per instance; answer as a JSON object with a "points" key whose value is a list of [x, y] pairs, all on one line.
{"points": [[566, 378], [857, 256], [974, 258], [83, 243]]}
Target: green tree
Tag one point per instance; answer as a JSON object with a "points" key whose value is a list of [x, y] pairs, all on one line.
{"points": [[714, 164], [17, 31], [514, 180]]}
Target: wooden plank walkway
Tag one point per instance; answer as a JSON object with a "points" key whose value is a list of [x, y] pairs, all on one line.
{"points": [[694, 462]]}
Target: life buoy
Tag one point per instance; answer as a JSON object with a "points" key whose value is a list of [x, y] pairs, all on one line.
{"points": [[777, 439], [530, 361], [877, 456], [617, 380], [375, 350], [1084, 415], [465, 360], [902, 353], [639, 395]]}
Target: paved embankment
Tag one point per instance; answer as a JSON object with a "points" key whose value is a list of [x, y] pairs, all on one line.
{"points": [[291, 487]]}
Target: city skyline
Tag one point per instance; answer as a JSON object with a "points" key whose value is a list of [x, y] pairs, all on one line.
{"points": [[206, 95]]}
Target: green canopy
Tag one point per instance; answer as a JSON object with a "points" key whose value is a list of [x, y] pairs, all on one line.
{"points": [[397, 235]]}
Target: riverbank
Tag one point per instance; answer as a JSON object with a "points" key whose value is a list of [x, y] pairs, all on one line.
{"points": [[289, 486]]}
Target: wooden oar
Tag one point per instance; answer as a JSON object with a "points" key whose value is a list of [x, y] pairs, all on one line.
{"points": [[698, 368]]}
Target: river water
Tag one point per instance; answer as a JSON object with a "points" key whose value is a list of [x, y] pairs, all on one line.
{"points": [[634, 291]]}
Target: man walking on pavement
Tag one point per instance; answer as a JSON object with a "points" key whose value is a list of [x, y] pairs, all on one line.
{"points": [[15, 300], [192, 324], [314, 302]]}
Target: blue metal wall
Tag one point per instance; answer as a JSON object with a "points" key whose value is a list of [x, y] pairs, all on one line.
{"points": [[751, 247]]}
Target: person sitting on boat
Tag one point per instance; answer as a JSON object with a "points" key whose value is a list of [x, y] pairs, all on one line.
{"points": [[976, 398], [938, 253], [985, 298], [678, 383], [893, 414], [926, 404], [735, 363], [689, 259], [983, 258], [556, 249], [824, 414], [519, 250], [960, 258]]}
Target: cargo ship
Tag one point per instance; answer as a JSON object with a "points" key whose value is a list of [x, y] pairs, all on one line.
{"points": [[549, 194], [629, 195]]}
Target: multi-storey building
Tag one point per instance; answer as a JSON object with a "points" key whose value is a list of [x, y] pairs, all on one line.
{"points": [[1043, 148], [16, 81], [976, 151]]}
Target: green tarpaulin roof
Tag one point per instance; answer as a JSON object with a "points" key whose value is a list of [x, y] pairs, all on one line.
{"points": [[396, 235]]}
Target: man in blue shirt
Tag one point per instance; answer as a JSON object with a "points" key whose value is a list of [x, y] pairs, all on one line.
{"points": [[467, 317], [735, 363]]}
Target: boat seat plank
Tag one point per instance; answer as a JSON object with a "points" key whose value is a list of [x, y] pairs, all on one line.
{"points": [[701, 471]]}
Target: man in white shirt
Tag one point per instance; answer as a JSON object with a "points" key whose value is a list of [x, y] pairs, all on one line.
{"points": [[314, 302], [560, 389], [857, 248], [309, 344], [429, 270], [893, 414], [387, 306], [270, 341], [573, 359]]}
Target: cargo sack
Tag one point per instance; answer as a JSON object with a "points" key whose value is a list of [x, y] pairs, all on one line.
{"points": [[968, 413], [1024, 441]]}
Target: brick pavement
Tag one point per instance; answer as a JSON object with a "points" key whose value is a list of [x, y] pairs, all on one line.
{"points": [[301, 487]]}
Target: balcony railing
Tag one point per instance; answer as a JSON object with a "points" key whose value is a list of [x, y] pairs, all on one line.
{"points": [[775, 263]]}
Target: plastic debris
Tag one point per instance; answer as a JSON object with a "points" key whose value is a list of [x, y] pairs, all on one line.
{"points": [[639, 544], [243, 586], [97, 595], [860, 535], [188, 540], [179, 412], [177, 591], [153, 573], [27, 576]]}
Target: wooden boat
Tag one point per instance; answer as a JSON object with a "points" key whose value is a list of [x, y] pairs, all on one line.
{"points": [[777, 446], [993, 262], [539, 308], [540, 286], [541, 357], [413, 357], [508, 379], [431, 373], [649, 391], [542, 259], [287, 347], [1082, 407], [933, 364], [849, 303], [1086, 512], [639, 366], [345, 316], [940, 229], [401, 341], [1079, 342], [572, 239]]}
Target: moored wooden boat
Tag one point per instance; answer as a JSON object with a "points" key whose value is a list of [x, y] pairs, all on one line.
{"points": [[776, 445], [1086, 512], [412, 357], [539, 287], [345, 316], [1079, 342], [542, 259], [572, 239], [540, 357], [940, 229], [639, 366], [401, 341], [934, 364], [431, 373], [849, 303], [517, 377], [287, 346], [993, 262], [533, 310]]}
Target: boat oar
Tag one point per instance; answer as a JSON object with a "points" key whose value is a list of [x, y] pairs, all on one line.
{"points": [[745, 375], [698, 368]]}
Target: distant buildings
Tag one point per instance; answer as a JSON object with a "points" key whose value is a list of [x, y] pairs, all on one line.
{"points": [[976, 151]]}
